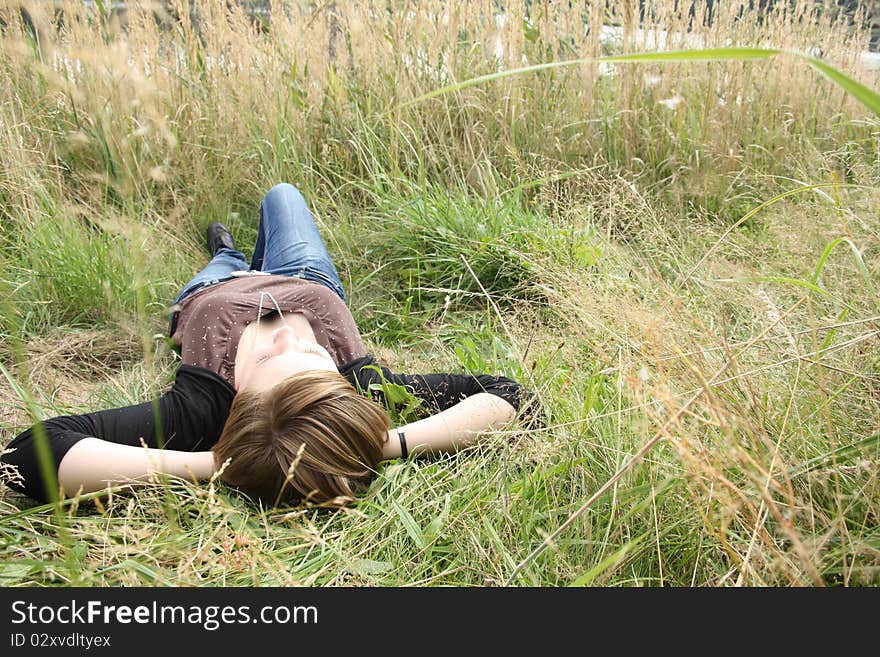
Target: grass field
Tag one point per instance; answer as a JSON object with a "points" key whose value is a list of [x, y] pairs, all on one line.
{"points": [[680, 259]]}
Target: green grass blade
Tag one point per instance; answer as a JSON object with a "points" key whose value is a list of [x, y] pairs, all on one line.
{"points": [[782, 280], [839, 454], [833, 332], [751, 213], [706, 55], [867, 97], [409, 524], [615, 557], [863, 269], [823, 194], [138, 567], [694, 55]]}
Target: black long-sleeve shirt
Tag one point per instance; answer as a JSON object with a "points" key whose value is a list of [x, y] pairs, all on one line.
{"points": [[191, 415]]}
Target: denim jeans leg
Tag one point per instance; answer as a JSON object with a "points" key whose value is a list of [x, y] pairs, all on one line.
{"points": [[288, 240], [220, 268]]}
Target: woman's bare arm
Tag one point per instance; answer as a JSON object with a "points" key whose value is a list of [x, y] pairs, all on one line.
{"points": [[456, 427], [93, 464]]}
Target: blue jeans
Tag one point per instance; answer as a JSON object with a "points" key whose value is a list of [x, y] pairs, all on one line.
{"points": [[288, 244]]}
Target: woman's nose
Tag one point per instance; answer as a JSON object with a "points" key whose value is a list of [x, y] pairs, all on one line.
{"points": [[283, 338]]}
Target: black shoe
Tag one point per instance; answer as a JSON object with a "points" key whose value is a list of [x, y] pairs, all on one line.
{"points": [[216, 237]]}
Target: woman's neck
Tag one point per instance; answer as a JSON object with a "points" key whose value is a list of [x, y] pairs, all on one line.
{"points": [[258, 333]]}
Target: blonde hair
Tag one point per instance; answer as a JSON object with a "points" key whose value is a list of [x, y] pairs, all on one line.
{"points": [[311, 437]]}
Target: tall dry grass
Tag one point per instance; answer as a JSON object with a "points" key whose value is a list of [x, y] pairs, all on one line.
{"points": [[210, 103], [582, 229]]}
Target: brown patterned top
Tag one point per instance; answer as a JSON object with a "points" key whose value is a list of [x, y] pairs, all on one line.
{"points": [[212, 320]]}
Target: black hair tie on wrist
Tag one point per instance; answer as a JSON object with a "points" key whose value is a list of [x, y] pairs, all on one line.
{"points": [[404, 452]]}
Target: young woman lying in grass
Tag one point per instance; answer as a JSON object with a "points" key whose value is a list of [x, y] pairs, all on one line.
{"points": [[273, 390]]}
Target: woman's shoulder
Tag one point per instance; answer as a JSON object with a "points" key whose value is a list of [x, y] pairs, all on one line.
{"points": [[195, 377]]}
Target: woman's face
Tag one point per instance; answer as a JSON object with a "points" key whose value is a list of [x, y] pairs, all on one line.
{"points": [[278, 357]]}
